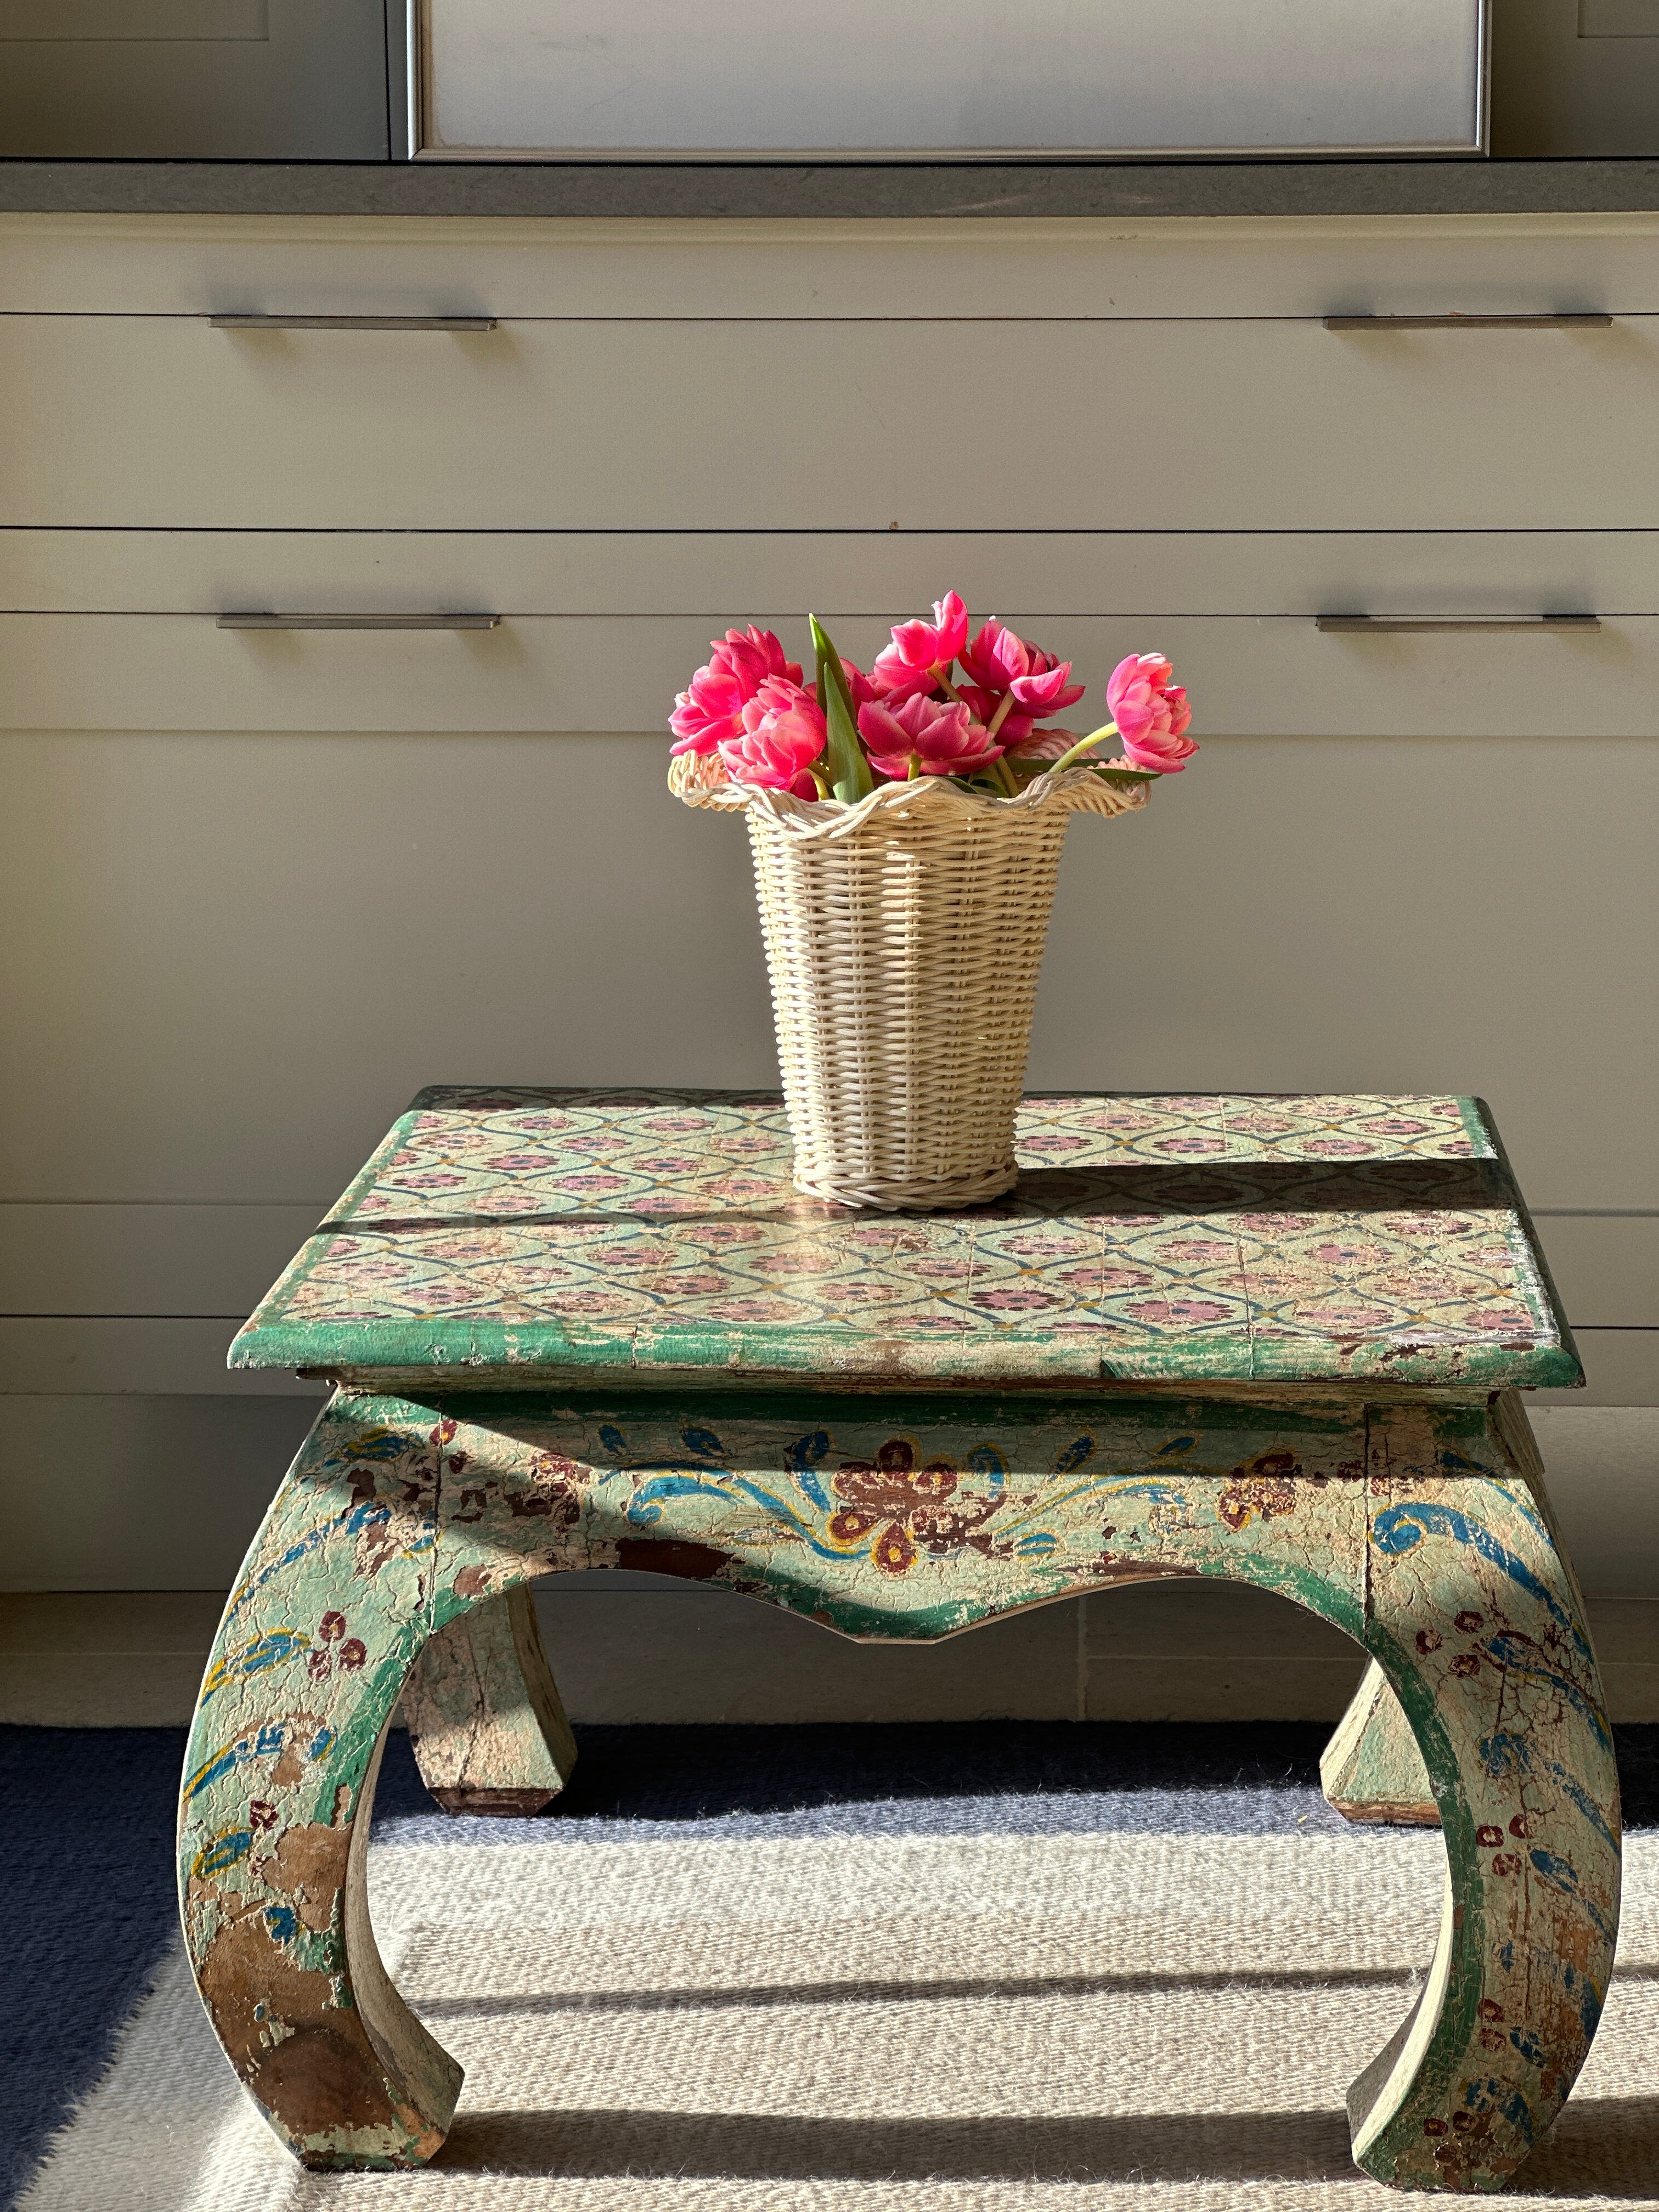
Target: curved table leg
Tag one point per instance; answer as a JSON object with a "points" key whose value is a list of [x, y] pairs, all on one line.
{"points": [[333, 1606], [489, 1732], [1474, 1617], [1371, 1768], [396, 1521]]}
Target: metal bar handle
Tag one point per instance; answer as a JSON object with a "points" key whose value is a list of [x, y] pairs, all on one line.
{"points": [[353, 322], [1377, 625], [254, 618], [1455, 321]]}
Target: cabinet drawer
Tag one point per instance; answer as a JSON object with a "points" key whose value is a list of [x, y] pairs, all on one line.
{"points": [[1273, 425], [1115, 267], [725, 575], [1250, 676]]}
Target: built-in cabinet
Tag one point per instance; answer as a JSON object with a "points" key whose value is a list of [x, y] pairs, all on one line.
{"points": [[216, 80], [260, 883]]}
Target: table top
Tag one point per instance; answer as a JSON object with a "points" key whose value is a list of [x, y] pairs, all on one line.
{"points": [[602, 1235]]}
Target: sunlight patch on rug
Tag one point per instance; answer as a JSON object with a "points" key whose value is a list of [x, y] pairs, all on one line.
{"points": [[925, 2023]]}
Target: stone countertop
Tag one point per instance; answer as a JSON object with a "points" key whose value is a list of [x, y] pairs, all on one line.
{"points": [[894, 190]]}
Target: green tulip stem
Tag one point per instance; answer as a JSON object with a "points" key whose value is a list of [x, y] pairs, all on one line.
{"points": [[1083, 744], [1001, 714]]}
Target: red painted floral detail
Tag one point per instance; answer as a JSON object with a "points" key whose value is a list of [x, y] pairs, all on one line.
{"points": [[1488, 1836], [318, 1665], [1177, 1313], [262, 1813], [1428, 1641], [1468, 1622], [1262, 1489], [352, 1654], [557, 1484], [1466, 1663], [1506, 1863], [911, 1508], [893, 1551], [1489, 2007], [1525, 1826], [332, 1627]]}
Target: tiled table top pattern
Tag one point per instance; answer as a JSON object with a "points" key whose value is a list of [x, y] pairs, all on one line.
{"points": [[1150, 1239]]}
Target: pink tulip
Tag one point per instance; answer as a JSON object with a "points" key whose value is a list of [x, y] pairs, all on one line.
{"points": [[782, 732], [1046, 689], [711, 710], [1151, 713], [862, 687], [995, 657], [921, 652], [1013, 730], [1044, 744], [753, 656], [708, 710], [1004, 662], [936, 736]]}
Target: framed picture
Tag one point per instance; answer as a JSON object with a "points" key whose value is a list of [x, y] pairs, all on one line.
{"points": [[988, 79]]}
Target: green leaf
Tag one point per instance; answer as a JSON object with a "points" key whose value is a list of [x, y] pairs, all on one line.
{"points": [[1125, 775], [844, 759]]}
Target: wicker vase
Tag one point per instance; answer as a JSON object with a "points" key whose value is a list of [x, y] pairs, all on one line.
{"points": [[903, 937]]}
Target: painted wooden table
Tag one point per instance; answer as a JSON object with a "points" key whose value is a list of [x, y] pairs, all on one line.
{"points": [[1276, 1340]]}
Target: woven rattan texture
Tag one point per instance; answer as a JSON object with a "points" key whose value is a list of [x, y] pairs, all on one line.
{"points": [[903, 937]]}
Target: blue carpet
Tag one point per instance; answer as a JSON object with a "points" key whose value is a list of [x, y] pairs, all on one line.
{"points": [[946, 1779], [86, 1912], [87, 1905]]}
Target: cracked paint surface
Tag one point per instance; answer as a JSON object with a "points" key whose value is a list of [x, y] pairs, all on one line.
{"points": [[1157, 1239], [889, 1515], [1476, 1618]]}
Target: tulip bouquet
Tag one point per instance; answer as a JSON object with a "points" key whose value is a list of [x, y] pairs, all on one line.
{"points": [[935, 703], [906, 825]]}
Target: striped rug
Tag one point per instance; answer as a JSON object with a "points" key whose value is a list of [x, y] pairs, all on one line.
{"points": [[1006, 2001]]}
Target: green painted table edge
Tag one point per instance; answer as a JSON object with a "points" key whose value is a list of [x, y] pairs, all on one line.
{"points": [[272, 1337]]}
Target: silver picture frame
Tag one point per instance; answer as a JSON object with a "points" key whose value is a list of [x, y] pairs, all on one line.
{"points": [[1046, 80]]}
